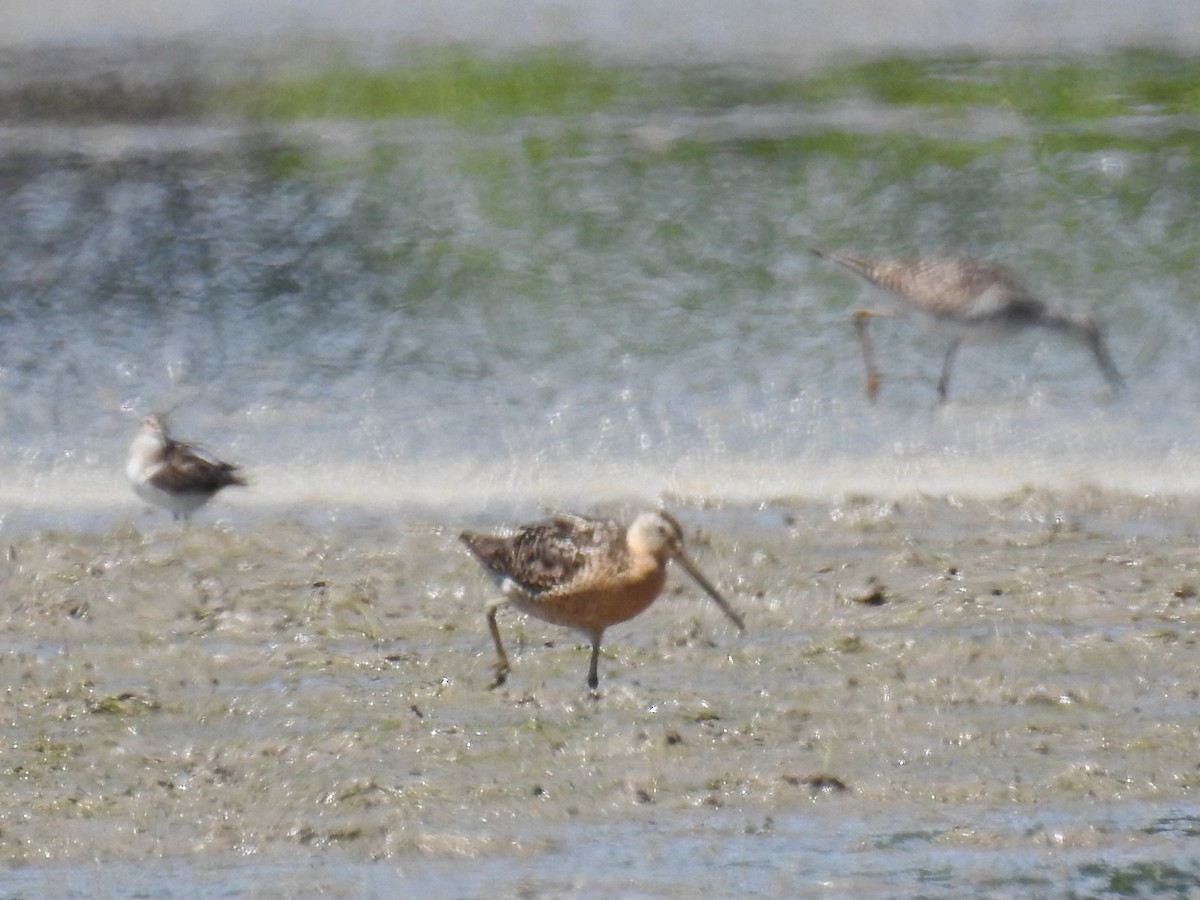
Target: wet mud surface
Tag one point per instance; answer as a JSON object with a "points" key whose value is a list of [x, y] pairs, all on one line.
{"points": [[971, 688]]}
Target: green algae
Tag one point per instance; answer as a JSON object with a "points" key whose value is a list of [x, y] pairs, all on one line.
{"points": [[503, 116], [1045, 89], [457, 84], [449, 83]]}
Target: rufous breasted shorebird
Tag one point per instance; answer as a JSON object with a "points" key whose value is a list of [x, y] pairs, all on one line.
{"points": [[970, 301], [172, 474], [584, 573]]}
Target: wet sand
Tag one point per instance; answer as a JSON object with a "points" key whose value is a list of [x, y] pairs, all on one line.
{"points": [[999, 692]]}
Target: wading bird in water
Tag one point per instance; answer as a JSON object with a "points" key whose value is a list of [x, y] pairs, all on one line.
{"points": [[583, 573], [174, 475], [969, 300]]}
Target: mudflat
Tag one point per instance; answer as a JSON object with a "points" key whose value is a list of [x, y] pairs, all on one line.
{"points": [[1004, 678]]}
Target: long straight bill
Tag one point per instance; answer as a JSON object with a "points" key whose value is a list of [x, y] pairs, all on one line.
{"points": [[711, 591]]}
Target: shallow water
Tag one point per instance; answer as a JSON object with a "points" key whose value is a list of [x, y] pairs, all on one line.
{"points": [[454, 320], [980, 618]]}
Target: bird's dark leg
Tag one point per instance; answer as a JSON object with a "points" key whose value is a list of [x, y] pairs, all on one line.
{"points": [[944, 381], [1107, 367], [593, 675], [861, 317], [502, 657]]}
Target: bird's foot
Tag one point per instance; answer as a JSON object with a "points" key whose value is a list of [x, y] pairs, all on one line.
{"points": [[501, 675]]}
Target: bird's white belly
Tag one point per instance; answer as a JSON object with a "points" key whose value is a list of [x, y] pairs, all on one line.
{"points": [[178, 504]]}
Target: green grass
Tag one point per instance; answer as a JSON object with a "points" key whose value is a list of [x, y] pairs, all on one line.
{"points": [[1091, 140], [1042, 89], [1064, 90], [1067, 104], [462, 85], [451, 84], [903, 151], [458, 84]]}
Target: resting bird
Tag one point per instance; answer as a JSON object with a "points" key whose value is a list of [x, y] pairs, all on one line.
{"points": [[172, 474], [969, 300]]}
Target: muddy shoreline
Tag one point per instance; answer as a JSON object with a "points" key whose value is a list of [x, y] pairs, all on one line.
{"points": [[218, 694]]}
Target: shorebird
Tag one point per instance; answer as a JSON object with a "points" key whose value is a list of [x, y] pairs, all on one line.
{"points": [[969, 300], [584, 573], [174, 475]]}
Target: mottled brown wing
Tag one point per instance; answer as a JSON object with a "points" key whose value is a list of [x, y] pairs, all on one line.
{"points": [[188, 470], [946, 286], [547, 555], [559, 550], [959, 286]]}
